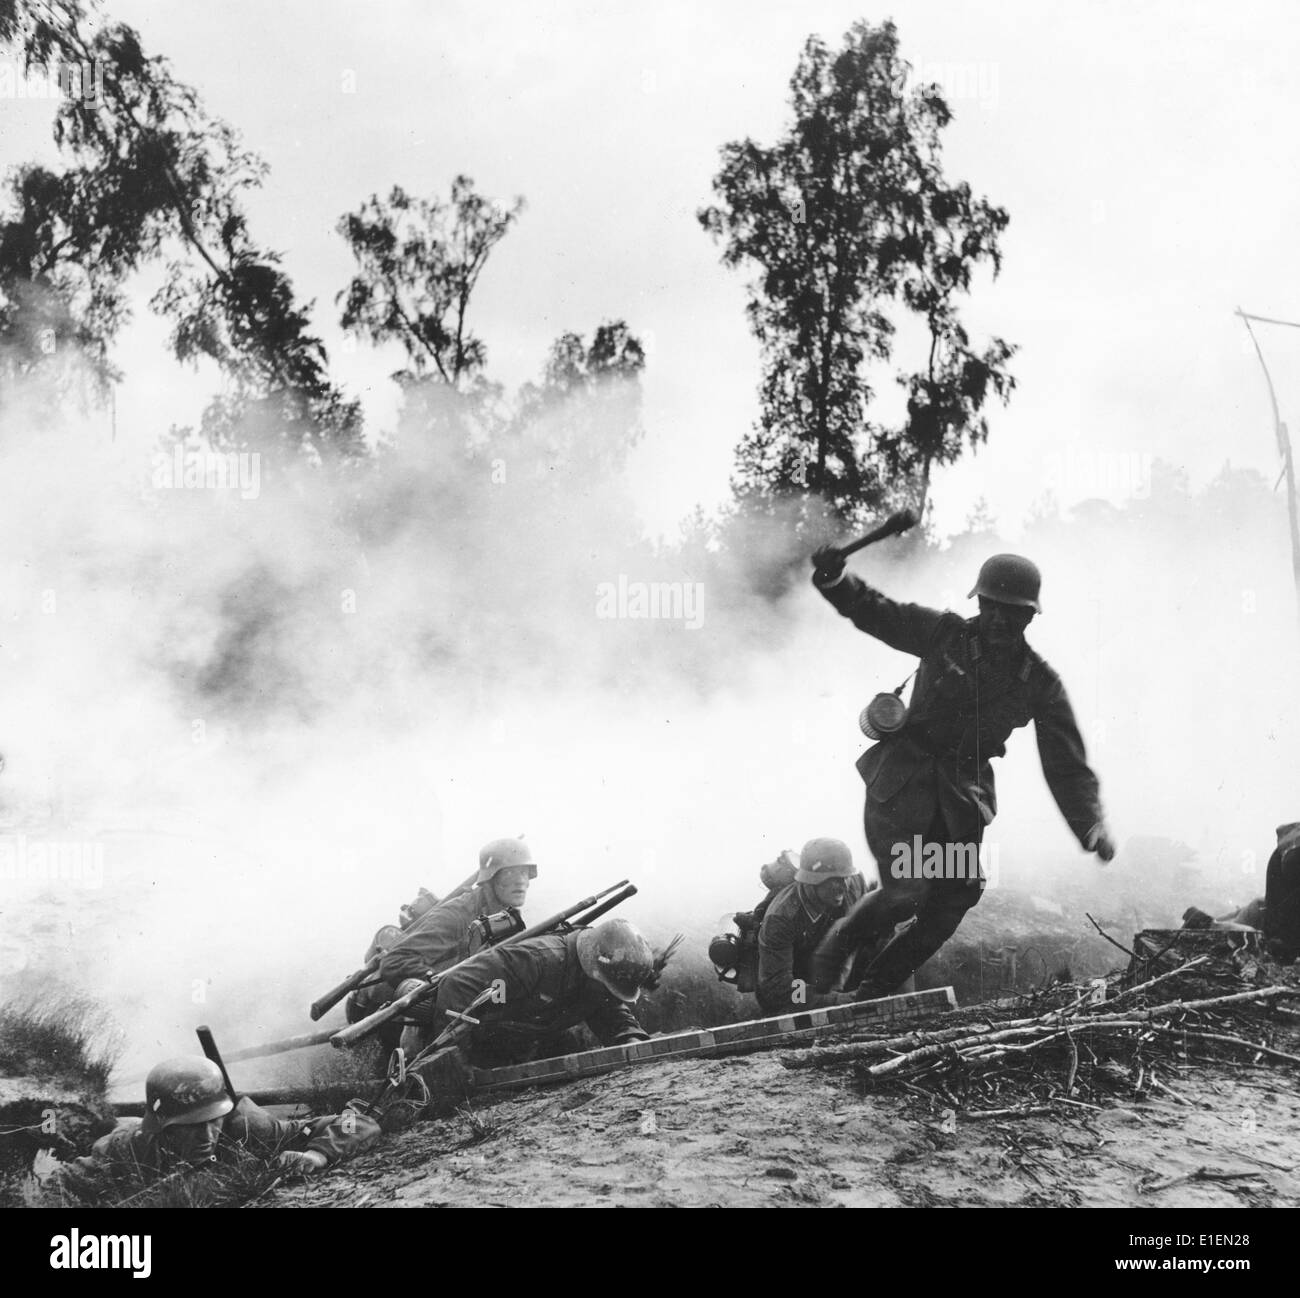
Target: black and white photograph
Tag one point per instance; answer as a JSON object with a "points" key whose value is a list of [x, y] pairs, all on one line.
{"points": [[634, 605]]}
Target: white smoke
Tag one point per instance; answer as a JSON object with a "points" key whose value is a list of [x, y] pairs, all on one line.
{"points": [[278, 716]]}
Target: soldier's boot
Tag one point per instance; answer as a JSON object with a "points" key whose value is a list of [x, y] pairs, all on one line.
{"points": [[911, 947], [871, 917]]}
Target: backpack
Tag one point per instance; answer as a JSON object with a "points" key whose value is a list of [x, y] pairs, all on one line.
{"points": [[735, 955]]}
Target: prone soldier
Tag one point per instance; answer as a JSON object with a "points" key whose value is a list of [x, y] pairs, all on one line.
{"points": [[191, 1120]]}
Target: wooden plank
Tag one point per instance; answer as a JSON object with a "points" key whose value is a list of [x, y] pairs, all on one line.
{"points": [[730, 1038]]}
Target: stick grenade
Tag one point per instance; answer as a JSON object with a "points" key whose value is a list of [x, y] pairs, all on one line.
{"points": [[895, 523], [209, 1044]]}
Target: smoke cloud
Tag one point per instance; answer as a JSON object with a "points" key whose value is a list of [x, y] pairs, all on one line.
{"points": [[261, 720]]}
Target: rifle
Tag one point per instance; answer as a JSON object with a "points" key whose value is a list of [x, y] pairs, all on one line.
{"points": [[209, 1044], [593, 907], [324, 1004]]}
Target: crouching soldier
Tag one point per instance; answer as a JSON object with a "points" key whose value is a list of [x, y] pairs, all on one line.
{"points": [[374, 995], [797, 919], [191, 1121], [533, 992], [443, 935]]}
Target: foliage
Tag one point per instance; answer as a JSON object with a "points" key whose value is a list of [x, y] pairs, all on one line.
{"points": [[151, 174], [56, 1034], [420, 261], [847, 213]]}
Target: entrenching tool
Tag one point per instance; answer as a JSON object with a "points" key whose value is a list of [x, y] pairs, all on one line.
{"points": [[209, 1044]]}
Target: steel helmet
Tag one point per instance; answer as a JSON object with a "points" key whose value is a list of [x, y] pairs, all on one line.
{"points": [[617, 956], [501, 854], [184, 1090], [1009, 579], [822, 859]]}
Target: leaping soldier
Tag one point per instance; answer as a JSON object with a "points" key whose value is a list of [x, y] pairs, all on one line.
{"points": [[930, 790]]}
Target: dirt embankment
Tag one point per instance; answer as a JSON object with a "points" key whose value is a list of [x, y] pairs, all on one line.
{"points": [[746, 1131]]}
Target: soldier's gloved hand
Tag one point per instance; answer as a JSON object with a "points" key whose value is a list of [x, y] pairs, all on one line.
{"points": [[1100, 841], [305, 1162], [828, 565]]}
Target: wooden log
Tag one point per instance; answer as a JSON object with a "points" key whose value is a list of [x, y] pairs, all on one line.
{"points": [[301, 1042]]}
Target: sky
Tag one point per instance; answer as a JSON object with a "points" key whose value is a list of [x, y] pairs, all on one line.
{"points": [[1139, 150]]}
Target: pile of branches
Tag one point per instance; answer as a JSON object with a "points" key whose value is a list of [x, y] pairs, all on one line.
{"points": [[1085, 1043]]}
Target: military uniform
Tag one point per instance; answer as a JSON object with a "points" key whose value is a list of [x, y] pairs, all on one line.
{"points": [[933, 778], [542, 990], [793, 927], [439, 938], [144, 1146]]}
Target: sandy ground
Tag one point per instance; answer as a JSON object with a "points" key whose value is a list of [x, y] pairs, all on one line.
{"points": [[745, 1131]]}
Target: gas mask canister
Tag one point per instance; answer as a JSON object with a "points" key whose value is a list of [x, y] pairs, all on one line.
{"points": [[885, 715]]}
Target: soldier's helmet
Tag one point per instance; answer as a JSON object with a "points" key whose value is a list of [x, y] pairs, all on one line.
{"points": [[618, 957], [184, 1090], [822, 859], [1009, 579], [501, 854]]}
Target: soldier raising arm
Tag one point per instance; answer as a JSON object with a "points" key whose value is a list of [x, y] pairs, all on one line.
{"points": [[929, 784]]}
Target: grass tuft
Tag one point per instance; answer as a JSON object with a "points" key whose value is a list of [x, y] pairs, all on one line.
{"points": [[58, 1035], [239, 1178]]}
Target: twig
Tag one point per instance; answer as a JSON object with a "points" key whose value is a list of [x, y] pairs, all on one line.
{"points": [[818, 1055], [261, 1194], [1252, 1046], [1169, 1090], [1173, 973], [1201, 1174], [1236, 998], [1032, 1111], [1110, 939]]}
